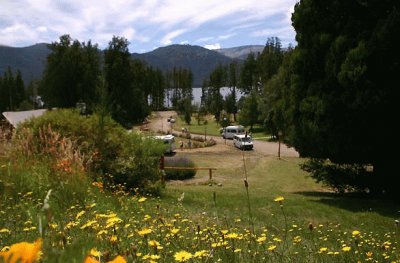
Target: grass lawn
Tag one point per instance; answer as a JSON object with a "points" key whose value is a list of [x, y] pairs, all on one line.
{"points": [[212, 128], [268, 177]]}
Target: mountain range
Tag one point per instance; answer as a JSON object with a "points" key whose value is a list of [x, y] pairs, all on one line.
{"points": [[31, 61]]}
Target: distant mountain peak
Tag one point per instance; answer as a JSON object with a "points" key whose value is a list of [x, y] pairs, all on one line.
{"points": [[201, 61], [241, 52]]}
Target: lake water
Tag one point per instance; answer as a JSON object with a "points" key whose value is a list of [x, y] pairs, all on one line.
{"points": [[197, 95]]}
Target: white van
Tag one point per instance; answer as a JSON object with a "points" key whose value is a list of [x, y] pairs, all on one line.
{"points": [[168, 140], [243, 142], [230, 131]]}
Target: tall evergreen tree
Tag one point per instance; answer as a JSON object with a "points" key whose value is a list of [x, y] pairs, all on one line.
{"points": [[71, 73], [346, 74], [118, 75]]}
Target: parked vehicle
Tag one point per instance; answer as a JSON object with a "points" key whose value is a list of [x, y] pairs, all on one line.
{"points": [[168, 140], [243, 142], [230, 131]]}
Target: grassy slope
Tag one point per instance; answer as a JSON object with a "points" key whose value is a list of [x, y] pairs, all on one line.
{"points": [[268, 177]]}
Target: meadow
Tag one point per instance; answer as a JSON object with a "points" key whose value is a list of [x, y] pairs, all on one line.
{"points": [[255, 209]]}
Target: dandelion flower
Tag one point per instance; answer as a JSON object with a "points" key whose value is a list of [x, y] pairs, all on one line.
{"points": [[174, 231], [346, 248], [142, 199], [200, 254], [232, 236], [95, 253], [23, 252], [261, 239], [271, 247], [323, 249], [297, 239], [154, 243], [144, 231], [80, 214], [279, 199], [355, 233], [5, 230], [182, 256]]}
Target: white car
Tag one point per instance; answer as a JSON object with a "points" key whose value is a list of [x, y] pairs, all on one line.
{"points": [[243, 142]]}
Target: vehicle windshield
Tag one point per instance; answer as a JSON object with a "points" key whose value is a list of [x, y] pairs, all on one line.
{"points": [[246, 139]]}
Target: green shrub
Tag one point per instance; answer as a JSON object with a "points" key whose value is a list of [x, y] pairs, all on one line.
{"points": [[340, 177], [111, 153], [179, 174]]}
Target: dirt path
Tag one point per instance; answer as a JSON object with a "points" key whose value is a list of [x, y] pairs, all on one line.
{"points": [[158, 122]]}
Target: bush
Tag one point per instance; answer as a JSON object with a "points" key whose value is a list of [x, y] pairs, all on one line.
{"points": [[107, 150], [179, 174], [340, 177]]}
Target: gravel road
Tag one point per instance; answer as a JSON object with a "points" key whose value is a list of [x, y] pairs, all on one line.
{"points": [[158, 122]]}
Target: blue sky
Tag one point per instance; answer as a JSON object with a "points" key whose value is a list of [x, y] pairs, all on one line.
{"points": [[147, 24]]}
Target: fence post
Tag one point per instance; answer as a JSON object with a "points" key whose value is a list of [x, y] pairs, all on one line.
{"points": [[210, 173]]}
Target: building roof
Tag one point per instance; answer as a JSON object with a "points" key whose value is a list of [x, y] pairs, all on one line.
{"points": [[17, 117]]}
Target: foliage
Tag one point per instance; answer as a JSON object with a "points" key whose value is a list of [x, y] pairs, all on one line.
{"points": [[118, 76], [341, 177], [116, 156], [344, 74], [71, 73], [180, 161], [12, 91], [249, 112], [249, 75]]}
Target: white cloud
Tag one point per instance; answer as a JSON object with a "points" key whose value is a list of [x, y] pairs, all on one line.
{"points": [[25, 22], [204, 39], [41, 29], [213, 46], [167, 39], [224, 37]]}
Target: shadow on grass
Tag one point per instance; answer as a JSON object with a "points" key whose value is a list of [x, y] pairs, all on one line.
{"points": [[355, 202]]}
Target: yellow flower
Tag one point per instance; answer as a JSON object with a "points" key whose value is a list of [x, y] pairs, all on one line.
{"points": [[369, 254], [346, 248], [88, 224], [112, 221], [23, 252], [279, 199], [80, 214], [297, 239], [95, 253], [355, 233], [261, 239], [238, 250], [142, 199], [5, 230], [271, 247], [144, 232], [153, 243], [200, 254], [232, 236], [182, 256], [277, 239], [323, 249], [174, 231]]}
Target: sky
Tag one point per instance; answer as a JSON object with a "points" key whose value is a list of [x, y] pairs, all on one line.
{"points": [[147, 24]]}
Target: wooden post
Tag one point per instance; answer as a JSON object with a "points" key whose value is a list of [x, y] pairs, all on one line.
{"points": [[210, 173]]}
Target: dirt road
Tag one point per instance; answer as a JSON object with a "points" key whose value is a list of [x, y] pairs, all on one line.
{"points": [[158, 122]]}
